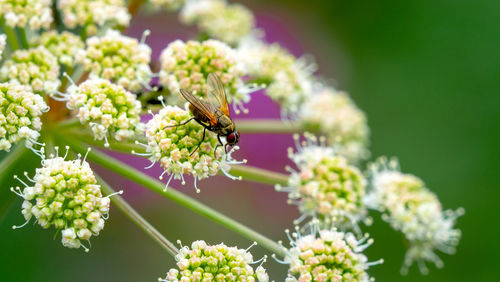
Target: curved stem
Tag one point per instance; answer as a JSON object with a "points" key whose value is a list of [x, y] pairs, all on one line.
{"points": [[133, 215], [274, 126], [158, 187]]}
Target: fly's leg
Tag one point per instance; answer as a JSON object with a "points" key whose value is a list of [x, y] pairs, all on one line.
{"points": [[180, 124], [203, 138], [218, 145]]}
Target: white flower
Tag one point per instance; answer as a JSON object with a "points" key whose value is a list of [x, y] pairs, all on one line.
{"points": [[34, 13], [182, 149], [203, 262], [35, 67], [107, 107], [20, 112], [325, 186], [327, 255], [220, 20], [290, 81], [334, 114], [93, 14], [65, 194], [63, 45], [414, 210], [187, 65], [119, 58]]}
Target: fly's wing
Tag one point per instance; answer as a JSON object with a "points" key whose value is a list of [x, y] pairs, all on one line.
{"points": [[200, 106], [216, 93]]}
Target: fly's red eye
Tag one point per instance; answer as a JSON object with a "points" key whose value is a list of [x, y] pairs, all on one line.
{"points": [[231, 138]]}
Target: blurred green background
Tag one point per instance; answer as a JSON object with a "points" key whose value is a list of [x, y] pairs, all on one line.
{"points": [[427, 74]]}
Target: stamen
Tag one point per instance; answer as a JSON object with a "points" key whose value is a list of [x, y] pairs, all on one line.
{"points": [[163, 173], [69, 78], [145, 34], [161, 99], [27, 177], [168, 182], [22, 225], [142, 154], [151, 165], [17, 191], [66, 154], [253, 244], [86, 154], [115, 193], [19, 179], [261, 260], [106, 143], [196, 186], [182, 178], [278, 260]]}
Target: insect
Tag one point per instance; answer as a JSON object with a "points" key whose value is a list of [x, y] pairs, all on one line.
{"points": [[214, 114]]}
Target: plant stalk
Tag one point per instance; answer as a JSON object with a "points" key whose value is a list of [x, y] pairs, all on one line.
{"points": [[158, 187], [133, 215], [274, 126]]}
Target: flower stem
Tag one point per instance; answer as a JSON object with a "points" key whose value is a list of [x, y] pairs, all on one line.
{"points": [[259, 175], [11, 36], [133, 215], [24, 38], [159, 187], [274, 126]]}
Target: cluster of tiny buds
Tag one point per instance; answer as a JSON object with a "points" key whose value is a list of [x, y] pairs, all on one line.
{"points": [[65, 194], [186, 65], [204, 262], [93, 14], [220, 20], [35, 67], [411, 208], [182, 146], [325, 186], [36, 14], [326, 255], [119, 58]]}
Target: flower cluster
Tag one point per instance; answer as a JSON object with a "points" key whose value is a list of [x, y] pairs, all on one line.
{"points": [[64, 46], [171, 5], [20, 111], [331, 256], [3, 39], [34, 13], [184, 148], [108, 108], [289, 79], [187, 65], [203, 262], [220, 20], [93, 14], [325, 186], [64, 194], [334, 114], [415, 211], [35, 67], [120, 58]]}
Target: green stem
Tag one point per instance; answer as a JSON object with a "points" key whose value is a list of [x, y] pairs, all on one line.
{"points": [[11, 36], [159, 187], [24, 38], [274, 126], [259, 175], [133, 215]]}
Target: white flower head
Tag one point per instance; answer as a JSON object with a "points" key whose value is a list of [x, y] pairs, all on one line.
{"points": [[119, 58], [94, 14], [325, 186], [204, 262], [185, 149], [334, 114], [34, 67], [187, 65], [289, 81], [64, 46], [327, 255], [20, 112], [220, 20], [108, 108], [64, 194], [408, 206], [34, 13]]}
